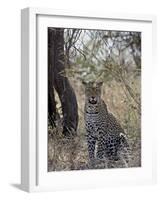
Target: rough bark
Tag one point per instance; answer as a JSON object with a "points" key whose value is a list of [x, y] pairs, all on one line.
{"points": [[60, 83]]}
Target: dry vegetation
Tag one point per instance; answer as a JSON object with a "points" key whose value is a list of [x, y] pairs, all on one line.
{"points": [[71, 153], [116, 58]]}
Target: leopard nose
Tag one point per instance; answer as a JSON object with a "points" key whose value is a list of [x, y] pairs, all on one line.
{"points": [[92, 100]]}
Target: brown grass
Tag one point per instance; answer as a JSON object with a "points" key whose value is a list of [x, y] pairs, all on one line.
{"points": [[71, 154]]}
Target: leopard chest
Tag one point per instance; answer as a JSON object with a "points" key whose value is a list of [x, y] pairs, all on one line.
{"points": [[95, 123]]}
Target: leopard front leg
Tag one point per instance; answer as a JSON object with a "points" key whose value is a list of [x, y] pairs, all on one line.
{"points": [[101, 148], [91, 142]]}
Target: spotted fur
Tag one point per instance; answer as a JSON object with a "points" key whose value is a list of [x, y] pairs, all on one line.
{"points": [[105, 137]]}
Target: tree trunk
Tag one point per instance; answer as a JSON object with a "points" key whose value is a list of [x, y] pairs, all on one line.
{"points": [[60, 83]]}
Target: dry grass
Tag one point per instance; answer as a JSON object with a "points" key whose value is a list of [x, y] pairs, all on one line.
{"points": [[71, 154]]}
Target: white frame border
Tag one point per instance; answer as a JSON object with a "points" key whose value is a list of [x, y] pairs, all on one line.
{"points": [[29, 84]]}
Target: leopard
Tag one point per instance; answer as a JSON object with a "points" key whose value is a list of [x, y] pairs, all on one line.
{"points": [[106, 140]]}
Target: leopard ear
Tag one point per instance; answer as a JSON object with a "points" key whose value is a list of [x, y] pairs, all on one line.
{"points": [[99, 84]]}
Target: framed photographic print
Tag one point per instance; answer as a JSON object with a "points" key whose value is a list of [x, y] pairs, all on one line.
{"points": [[86, 99]]}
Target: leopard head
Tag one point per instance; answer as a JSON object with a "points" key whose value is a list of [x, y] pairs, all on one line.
{"points": [[92, 96]]}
